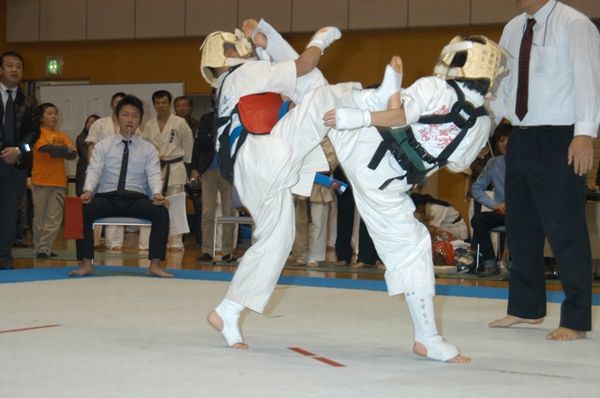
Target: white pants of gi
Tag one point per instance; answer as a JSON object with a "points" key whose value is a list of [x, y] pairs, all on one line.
{"points": [[268, 166]]}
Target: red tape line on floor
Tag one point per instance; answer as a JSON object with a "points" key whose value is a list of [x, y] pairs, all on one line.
{"points": [[316, 357]]}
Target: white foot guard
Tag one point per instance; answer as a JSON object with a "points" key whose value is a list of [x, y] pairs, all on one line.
{"points": [[439, 349], [377, 99], [421, 311], [324, 37], [277, 48], [225, 319]]}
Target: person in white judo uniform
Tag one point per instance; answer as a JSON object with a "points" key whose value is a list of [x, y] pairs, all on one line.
{"points": [[270, 167]]}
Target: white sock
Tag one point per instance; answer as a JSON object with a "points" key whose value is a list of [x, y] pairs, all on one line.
{"points": [[377, 99], [324, 37], [391, 84], [277, 47], [421, 311], [230, 311]]}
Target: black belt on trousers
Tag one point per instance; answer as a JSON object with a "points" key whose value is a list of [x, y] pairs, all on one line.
{"points": [[168, 163]]}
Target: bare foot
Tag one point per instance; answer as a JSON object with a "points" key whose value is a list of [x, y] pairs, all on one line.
{"points": [[86, 268], [248, 26], [216, 322], [259, 39], [511, 320], [157, 271], [421, 350], [565, 334], [396, 63]]}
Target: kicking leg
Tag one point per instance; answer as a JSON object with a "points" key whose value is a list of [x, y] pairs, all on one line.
{"points": [[428, 342], [377, 99], [278, 49]]}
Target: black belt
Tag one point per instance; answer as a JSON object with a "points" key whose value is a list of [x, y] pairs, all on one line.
{"points": [[123, 194], [544, 127], [168, 163], [457, 219]]}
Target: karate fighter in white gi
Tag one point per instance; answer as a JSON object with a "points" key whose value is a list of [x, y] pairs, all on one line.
{"points": [[401, 241], [173, 139]]}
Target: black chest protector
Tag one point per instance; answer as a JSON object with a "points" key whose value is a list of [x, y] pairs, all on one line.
{"points": [[411, 156]]}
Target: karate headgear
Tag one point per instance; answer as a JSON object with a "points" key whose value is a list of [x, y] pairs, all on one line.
{"points": [[213, 53], [482, 61]]}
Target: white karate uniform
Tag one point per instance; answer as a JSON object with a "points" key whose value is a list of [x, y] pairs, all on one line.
{"points": [[444, 218], [267, 167], [174, 141]]}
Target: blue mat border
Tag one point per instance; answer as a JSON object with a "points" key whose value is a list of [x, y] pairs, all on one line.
{"points": [[46, 274]]}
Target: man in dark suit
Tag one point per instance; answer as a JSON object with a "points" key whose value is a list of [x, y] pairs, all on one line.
{"points": [[18, 133]]}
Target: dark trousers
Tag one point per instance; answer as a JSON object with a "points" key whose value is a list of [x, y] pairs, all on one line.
{"points": [[481, 223], [197, 229], [120, 206], [12, 188], [545, 198], [345, 222]]}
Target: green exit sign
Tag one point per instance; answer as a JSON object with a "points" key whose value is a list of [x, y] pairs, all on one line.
{"points": [[54, 66]]}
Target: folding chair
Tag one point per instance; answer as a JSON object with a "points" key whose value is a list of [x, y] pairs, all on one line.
{"points": [[236, 203]]}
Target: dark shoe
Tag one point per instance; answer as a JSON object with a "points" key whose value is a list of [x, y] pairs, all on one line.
{"points": [[205, 257], [466, 261], [52, 254], [19, 244], [228, 258], [464, 268], [42, 256]]}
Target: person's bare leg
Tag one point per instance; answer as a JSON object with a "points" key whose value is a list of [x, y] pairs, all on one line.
{"points": [[510, 320], [86, 268], [225, 319], [565, 334], [155, 270]]}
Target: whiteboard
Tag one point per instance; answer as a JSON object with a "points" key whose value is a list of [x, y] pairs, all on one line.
{"points": [[75, 102]]}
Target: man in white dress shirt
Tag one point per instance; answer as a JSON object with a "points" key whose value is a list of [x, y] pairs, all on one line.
{"points": [[552, 98], [173, 139], [103, 128], [120, 170]]}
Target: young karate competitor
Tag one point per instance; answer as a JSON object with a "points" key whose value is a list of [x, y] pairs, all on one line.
{"points": [[401, 241]]}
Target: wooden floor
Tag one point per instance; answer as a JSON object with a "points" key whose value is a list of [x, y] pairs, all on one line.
{"points": [[188, 259]]}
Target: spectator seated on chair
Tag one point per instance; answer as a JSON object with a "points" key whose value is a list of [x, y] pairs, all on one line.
{"points": [[494, 174], [115, 185]]}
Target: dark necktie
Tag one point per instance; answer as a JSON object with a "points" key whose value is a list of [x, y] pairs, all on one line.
{"points": [[10, 138], [123, 172], [523, 85]]}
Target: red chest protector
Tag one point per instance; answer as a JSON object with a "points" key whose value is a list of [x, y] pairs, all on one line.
{"points": [[259, 112]]}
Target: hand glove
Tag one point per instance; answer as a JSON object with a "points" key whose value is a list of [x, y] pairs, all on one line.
{"points": [[351, 118]]}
